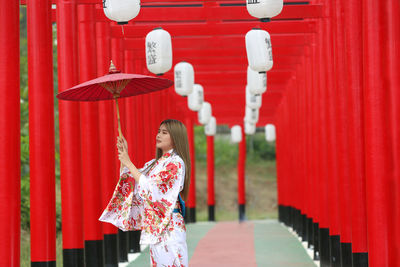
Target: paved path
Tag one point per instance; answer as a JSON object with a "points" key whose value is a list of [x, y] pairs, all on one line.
{"points": [[250, 244]]}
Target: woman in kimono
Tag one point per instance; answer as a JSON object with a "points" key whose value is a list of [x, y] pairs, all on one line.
{"points": [[149, 199]]}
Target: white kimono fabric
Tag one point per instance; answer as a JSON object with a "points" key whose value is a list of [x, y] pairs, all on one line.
{"points": [[148, 206]]}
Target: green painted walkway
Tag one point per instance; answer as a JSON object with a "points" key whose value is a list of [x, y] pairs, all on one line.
{"points": [[272, 243]]}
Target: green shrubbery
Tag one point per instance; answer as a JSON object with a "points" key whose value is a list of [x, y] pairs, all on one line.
{"points": [[226, 153]]}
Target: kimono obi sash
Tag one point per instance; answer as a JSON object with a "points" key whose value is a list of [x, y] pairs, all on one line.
{"points": [[182, 204]]}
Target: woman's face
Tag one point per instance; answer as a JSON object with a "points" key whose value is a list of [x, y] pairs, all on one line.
{"points": [[163, 139]]}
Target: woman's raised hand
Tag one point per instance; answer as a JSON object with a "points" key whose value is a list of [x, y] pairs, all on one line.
{"points": [[122, 146], [121, 142]]}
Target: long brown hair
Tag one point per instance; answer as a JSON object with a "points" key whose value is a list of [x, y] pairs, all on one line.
{"points": [[180, 143]]}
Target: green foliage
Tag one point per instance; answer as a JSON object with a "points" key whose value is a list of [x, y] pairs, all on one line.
{"points": [[226, 153]]}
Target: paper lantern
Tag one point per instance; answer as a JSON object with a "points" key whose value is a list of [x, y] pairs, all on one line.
{"points": [[210, 128], [196, 98], [121, 11], [184, 78], [249, 128], [236, 134], [259, 50], [158, 51], [253, 101], [264, 9], [270, 134], [251, 115], [257, 82], [204, 114]]}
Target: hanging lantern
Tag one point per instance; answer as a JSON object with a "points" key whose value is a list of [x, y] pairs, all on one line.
{"points": [[270, 133], [184, 78], [264, 9], [236, 134], [259, 50], [204, 114], [256, 81], [121, 11], [158, 51], [249, 128], [210, 128], [196, 98], [253, 100], [251, 115]]}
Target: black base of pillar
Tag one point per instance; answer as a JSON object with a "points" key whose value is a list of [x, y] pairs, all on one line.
{"points": [[304, 227], [345, 253], [123, 246], [73, 257], [281, 215], [43, 264], [134, 239], [242, 212], [192, 214], [335, 250], [211, 213], [324, 248], [94, 255], [310, 236], [360, 259], [111, 250], [316, 241]]}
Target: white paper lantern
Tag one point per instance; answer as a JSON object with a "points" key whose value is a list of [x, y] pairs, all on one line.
{"points": [[121, 11], [158, 51], [257, 82], [253, 101], [270, 134], [236, 134], [264, 9], [204, 114], [210, 128], [259, 50], [196, 98], [251, 115], [249, 128], [184, 78]]}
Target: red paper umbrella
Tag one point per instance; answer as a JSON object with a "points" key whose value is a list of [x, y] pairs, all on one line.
{"points": [[113, 86]]}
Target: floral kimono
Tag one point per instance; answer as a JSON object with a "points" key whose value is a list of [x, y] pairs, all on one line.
{"points": [[151, 206]]}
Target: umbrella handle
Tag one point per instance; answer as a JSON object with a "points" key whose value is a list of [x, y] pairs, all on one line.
{"points": [[119, 123]]}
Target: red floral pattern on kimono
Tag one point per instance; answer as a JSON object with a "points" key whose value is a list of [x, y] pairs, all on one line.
{"points": [[149, 204]]}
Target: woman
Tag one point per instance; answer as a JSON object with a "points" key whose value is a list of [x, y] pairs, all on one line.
{"points": [[148, 199]]}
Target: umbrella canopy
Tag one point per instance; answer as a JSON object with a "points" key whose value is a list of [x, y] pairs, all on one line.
{"points": [[113, 86]]}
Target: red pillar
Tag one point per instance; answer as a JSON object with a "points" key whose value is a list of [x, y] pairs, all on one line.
{"points": [[393, 10], [241, 174], [353, 49], [90, 141], [191, 203], [41, 132], [108, 167], [10, 168], [379, 161], [70, 147], [210, 178], [139, 122]]}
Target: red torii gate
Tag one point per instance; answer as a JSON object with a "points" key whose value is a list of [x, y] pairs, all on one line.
{"points": [[210, 35]]}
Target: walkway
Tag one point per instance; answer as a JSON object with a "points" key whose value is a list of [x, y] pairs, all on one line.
{"points": [[253, 243]]}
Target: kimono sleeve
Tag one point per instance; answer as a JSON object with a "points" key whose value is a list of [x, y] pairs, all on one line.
{"points": [[125, 209], [160, 192]]}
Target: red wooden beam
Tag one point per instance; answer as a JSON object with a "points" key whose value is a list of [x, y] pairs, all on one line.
{"points": [[140, 29], [223, 42], [152, 13]]}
